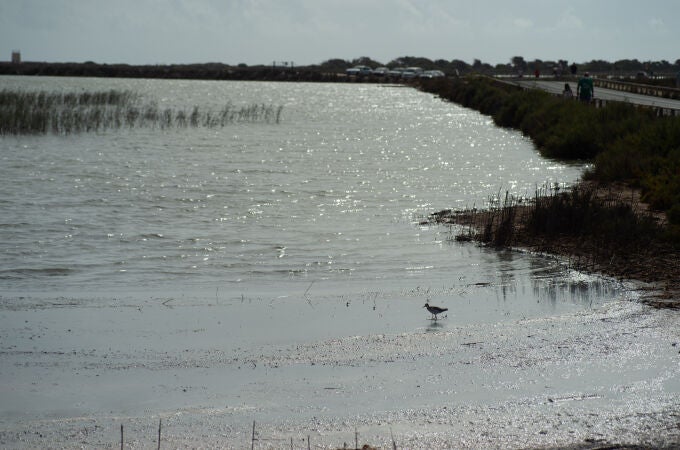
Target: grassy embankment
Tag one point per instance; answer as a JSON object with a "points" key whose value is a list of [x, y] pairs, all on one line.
{"points": [[65, 113], [595, 224]]}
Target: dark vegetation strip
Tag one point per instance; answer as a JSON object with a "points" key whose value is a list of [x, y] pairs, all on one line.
{"points": [[586, 222], [66, 113], [627, 144], [662, 73]]}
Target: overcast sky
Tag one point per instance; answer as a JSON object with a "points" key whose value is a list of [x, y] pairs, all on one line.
{"points": [[313, 31]]}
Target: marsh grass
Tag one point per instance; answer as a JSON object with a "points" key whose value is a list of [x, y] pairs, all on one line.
{"points": [[613, 219], [591, 226], [68, 113], [581, 211]]}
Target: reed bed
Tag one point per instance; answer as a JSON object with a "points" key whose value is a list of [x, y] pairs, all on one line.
{"points": [[611, 218], [68, 113], [595, 228]]}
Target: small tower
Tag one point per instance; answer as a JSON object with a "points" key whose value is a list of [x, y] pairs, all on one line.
{"points": [[16, 57]]}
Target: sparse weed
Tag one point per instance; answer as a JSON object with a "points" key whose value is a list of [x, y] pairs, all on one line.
{"points": [[68, 113]]}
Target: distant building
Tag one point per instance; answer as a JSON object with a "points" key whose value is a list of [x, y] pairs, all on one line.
{"points": [[16, 57]]}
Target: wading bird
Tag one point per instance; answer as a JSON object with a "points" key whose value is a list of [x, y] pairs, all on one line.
{"points": [[435, 310]]}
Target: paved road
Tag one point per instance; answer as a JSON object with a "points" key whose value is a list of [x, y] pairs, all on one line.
{"points": [[557, 87]]}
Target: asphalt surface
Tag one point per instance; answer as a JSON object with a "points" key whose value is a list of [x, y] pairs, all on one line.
{"points": [[556, 87]]}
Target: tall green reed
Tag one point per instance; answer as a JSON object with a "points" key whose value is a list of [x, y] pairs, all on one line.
{"points": [[66, 113]]}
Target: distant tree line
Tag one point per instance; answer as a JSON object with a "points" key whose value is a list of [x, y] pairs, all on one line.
{"points": [[514, 65], [334, 69], [207, 71]]}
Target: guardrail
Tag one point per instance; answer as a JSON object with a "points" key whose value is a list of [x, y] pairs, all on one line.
{"points": [[659, 111], [638, 88], [654, 91]]}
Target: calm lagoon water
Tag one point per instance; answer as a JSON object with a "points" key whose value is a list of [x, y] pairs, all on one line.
{"points": [[331, 196], [266, 271]]}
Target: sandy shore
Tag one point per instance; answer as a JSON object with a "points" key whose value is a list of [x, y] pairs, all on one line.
{"points": [[582, 376], [585, 379]]}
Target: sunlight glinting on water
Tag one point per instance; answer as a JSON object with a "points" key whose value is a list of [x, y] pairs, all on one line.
{"points": [[332, 193], [277, 273]]}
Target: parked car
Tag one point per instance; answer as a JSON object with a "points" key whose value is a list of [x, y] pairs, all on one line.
{"points": [[359, 70], [396, 72], [411, 72], [432, 74], [381, 71]]}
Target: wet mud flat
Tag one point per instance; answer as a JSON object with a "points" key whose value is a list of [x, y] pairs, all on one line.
{"points": [[73, 371]]}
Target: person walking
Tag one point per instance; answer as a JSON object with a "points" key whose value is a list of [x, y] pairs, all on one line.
{"points": [[573, 68], [585, 89]]}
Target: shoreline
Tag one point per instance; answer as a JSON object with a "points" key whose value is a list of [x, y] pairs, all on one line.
{"points": [[497, 371], [654, 267]]}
